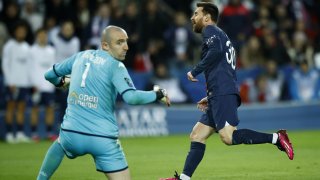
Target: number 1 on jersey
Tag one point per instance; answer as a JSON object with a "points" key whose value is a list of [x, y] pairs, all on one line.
{"points": [[84, 75]]}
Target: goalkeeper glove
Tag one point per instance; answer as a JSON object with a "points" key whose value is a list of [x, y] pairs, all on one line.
{"points": [[162, 95], [64, 83]]}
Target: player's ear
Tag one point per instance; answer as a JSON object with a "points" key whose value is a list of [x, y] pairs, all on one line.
{"points": [[104, 45], [207, 17]]}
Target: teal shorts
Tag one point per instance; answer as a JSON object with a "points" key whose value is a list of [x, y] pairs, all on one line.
{"points": [[106, 152]]}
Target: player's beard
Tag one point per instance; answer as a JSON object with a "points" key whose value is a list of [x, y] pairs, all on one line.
{"points": [[198, 26]]}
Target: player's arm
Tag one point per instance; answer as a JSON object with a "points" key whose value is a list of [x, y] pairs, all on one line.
{"points": [[122, 81], [56, 74], [214, 51], [6, 64]]}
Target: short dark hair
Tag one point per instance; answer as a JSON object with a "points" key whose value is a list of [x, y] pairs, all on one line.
{"points": [[210, 8], [42, 29]]}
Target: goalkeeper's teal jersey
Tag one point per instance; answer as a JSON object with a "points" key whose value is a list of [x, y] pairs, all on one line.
{"points": [[96, 78]]}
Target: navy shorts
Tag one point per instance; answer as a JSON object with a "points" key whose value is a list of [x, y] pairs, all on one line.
{"points": [[45, 98], [20, 94], [222, 110]]}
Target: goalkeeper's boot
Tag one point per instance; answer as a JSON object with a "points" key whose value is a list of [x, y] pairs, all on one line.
{"points": [[284, 143], [176, 177]]}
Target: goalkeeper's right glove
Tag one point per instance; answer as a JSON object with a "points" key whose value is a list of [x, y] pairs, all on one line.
{"points": [[162, 95], [64, 83]]}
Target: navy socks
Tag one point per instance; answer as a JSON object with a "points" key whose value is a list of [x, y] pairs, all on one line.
{"points": [[247, 136], [194, 158]]}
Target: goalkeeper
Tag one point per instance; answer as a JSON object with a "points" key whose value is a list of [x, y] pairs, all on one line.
{"points": [[89, 125]]}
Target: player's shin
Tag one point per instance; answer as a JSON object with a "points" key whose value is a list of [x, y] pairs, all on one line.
{"points": [[194, 158], [247, 136], [51, 162]]}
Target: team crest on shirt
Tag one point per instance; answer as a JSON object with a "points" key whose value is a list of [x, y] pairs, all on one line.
{"points": [[128, 82]]}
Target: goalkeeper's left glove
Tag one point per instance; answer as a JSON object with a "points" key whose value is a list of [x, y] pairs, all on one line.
{"points": [[162, 95]]}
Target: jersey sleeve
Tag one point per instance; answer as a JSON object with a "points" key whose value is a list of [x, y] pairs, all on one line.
{"points": [[58, 70], [212, 56], [121, 78], [123, 83]]}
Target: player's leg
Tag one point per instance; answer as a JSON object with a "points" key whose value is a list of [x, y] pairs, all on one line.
{"points": [[69, 144], [49, 115], [198, 137], [227, 120], [34, 122], [21, 137], [9, 114], [51, 161], [109, 157], [200, 133], [121, 175], [231, 136], [21, 107]]}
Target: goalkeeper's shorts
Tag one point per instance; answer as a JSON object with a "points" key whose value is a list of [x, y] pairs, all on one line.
{"points": [[222, 110], [106, 152]]}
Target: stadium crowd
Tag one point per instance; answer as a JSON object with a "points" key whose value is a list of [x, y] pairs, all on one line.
{"points": [[277, 44]]}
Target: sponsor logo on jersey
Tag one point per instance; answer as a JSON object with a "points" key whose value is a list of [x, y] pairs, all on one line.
{"points": [[83, 100], [210, 40]]}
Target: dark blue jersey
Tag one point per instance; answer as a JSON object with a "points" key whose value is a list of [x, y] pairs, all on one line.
{"points": [[218, 62]]}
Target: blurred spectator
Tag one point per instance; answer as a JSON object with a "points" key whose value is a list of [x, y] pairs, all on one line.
{"points": [[11, 18], [82, 19], [317, 52], [276, 87], [4, 36], [273, 48], [29, 12], [183, 6], [235, 21], [269, 86], [11, 15], [16, 69], [59, 9], [301, 48], [116, 10], [131, 23], [163, 78], [251, 55], [101, 20], [180, 42], [50, 24], [154, 23], [42, 58], [66, 44], [282, 19], [304, 85]]}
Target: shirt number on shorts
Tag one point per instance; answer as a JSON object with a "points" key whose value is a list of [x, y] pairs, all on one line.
{"points": [[231, 55], [84, 75]]}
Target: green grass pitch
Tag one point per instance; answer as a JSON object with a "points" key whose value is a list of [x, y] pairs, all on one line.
{"points": [[153, 157]]}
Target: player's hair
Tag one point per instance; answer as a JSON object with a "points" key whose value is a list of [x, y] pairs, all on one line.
{"points": [[42, 29], [105, 35], [210, 8]]}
